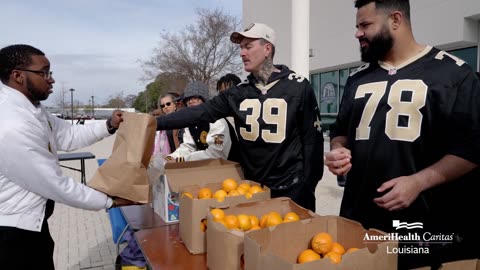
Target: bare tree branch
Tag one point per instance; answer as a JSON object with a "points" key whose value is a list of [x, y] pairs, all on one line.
{"points": [[201, 52]]}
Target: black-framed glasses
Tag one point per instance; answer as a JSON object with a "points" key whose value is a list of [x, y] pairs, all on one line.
{"points": [[46, 74], [166, 104]]}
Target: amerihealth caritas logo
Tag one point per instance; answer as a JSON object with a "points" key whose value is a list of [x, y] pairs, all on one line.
{"points": [[405, 225], [412, 242]]}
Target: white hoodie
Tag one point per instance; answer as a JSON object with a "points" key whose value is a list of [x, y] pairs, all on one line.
{"points": [[29, 169]]}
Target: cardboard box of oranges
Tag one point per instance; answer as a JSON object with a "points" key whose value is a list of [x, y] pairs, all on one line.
{"points": [[166, 188], [301, 245], [227, 227], [197, 200]]}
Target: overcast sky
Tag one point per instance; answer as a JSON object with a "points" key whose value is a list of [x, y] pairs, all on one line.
{"points": [[96, 46]]}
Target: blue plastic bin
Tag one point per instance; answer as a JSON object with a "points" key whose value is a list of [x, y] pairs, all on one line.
{"points": [[117, 221]]}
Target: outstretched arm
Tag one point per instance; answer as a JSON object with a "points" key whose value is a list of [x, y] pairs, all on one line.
{"points": [[210, 111]]}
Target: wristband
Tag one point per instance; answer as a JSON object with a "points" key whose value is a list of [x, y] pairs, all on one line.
{"points": [[110, 128]]}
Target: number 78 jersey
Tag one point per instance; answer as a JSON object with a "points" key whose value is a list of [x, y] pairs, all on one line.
{"points": [[399, 121]]}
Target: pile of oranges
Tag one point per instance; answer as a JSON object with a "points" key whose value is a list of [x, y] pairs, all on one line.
{"points": [[245, 222], [230, 187], [323, 246]]}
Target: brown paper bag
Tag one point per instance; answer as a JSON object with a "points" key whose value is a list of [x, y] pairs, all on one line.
{"points": [[124, 173]]}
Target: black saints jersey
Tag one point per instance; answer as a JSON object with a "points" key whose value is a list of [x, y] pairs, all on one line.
{"points": [[400, 121], [278, 127]]}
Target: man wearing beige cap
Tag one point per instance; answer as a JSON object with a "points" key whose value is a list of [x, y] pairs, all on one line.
{"points": [[276, 118]]}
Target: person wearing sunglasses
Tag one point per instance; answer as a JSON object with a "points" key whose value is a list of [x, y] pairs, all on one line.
{"points": [[31, 179], [203, 140], [167, 141]]}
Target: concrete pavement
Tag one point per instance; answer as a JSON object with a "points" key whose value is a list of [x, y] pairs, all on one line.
{"points": [[83, 239]]}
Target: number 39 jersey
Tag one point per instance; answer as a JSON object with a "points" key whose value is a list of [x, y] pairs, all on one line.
{"points": [[278, 127], [279, 130], [400, 121]]}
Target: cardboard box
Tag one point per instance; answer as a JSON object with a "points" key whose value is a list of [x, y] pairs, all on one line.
{"points": [[167, 187], [194, 210], [225, 247], [278, 247], [473, 264]]}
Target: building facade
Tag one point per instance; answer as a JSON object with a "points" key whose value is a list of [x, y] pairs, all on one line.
{"points": [[451, 25]]}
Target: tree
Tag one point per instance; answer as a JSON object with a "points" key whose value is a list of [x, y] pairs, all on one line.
{"points": [[146, 101], [116, 101], [129, 100], [172, 82], [201, 52], [59, 100]]}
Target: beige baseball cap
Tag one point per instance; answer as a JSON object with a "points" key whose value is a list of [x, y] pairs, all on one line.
{"points": [[254, 30]]}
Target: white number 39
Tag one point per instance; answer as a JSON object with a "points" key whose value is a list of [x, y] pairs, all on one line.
{"points": [[269, 117]]}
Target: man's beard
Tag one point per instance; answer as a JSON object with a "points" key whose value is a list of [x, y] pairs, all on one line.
{"points": [[378, 47], [36, 95]]}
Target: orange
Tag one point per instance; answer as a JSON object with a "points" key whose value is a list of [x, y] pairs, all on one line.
{"points": [[248, 195], [233, 193], [352, 249], [245, 186], [273, 219], [254, 220], [255, 189], [322, 243], [337, 248], [204, 193], [308, 255], [229, 184], [188, 194], [241, 191], [220, 195], [217, 214], [263, 221], [291, 216], [231, 222], [334, 257], [244, 222]]}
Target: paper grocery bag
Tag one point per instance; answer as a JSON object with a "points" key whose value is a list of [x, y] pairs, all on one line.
{"points": [[124, 173]]}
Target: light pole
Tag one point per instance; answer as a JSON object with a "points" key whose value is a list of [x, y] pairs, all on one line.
{"points": [[93, 107], [71, 94]]}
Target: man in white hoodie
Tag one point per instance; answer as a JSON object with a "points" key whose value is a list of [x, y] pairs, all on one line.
{"points": [[31, 179]]}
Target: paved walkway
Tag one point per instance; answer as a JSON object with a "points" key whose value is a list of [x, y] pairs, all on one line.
{"points": [[83, 239]]}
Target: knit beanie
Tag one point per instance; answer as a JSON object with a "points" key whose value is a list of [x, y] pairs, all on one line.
{"points": [[196, 89]]}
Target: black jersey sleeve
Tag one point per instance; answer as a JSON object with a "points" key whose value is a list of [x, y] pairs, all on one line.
{"points": [[465, 118], [210, 111], [339, 128], [312, 138]]}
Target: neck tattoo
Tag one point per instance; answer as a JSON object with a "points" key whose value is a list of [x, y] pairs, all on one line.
{"points": [[265, 71]]}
